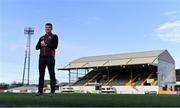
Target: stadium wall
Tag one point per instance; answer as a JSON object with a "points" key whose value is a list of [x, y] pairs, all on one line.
{"points": [[166, 75], [119, 89]]}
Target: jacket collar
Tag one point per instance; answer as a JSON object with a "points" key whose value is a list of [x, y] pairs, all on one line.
{"points": [[50, 34]]}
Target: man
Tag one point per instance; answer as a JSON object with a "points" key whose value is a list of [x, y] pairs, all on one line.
{"points": [[47, 45]]}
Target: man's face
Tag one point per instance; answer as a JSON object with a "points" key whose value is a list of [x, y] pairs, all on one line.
{"points": [[48, 29]]}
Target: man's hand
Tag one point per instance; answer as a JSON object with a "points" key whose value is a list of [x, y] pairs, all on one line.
{"points": [[43, 44]]}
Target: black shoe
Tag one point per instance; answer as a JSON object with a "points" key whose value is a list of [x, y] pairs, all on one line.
{"points": [[38, 94], [52, 94]]}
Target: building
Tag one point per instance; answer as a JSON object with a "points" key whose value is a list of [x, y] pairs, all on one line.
{"points": [[127, 73], [23, 89]]}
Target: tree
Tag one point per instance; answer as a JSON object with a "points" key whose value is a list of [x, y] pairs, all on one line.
{"points": [[4, 86]]}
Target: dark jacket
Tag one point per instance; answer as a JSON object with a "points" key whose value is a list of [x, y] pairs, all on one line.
{"points": [[52, 42]]}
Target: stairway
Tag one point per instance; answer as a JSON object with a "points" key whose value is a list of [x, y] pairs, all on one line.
{"points": [[149, 76], [90, 80], [109, 81], [131, 81]]}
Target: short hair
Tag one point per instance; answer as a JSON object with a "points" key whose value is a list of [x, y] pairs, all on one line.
{"points": [[49, 24]]}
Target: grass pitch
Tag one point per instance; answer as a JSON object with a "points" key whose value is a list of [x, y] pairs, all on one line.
{"points": [[88, 100]]}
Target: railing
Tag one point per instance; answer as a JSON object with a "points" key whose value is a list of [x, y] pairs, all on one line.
{"points": [[91, 79], [154, 83], [131, 81], [149, 76], [109, 81]]}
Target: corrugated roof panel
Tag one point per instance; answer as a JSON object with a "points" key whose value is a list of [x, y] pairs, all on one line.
{"points": [[121, 56], [147, 57], [142, 60], [117, 62], [95, 64], [77, 65]]}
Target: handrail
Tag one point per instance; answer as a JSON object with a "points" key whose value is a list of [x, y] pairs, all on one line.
{"points": [[109, 81], [131, 81], [91, 79], [149, 76]]}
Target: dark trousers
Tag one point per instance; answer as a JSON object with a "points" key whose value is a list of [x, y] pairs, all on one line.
{"points": [[50, 63]]}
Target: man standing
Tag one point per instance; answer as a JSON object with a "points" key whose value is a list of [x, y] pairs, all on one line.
{"points": [[47, 45]]}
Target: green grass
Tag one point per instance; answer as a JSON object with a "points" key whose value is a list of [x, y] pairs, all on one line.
{"points": [[89, 100]]}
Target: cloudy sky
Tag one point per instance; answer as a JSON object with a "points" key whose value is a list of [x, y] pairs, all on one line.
{"points": [[85, 28]]}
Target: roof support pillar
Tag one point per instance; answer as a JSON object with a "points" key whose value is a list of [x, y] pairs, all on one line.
{"points": [[69, 79]]}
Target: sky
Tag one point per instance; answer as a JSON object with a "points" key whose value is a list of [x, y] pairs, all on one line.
{"points": [[85, 28]]}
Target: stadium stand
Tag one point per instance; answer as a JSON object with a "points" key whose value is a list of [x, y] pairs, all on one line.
{"points": [[137, 73]]}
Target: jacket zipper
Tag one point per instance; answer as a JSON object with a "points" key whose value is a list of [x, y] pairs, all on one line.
{"points": [[44, 48]]}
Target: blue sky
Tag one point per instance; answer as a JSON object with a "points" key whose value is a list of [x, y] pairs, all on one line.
{"points": [[85, 28]]}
